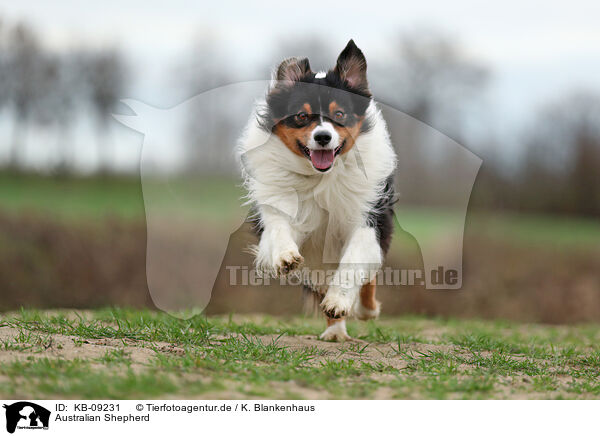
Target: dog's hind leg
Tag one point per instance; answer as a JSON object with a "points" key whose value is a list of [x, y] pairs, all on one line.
{"points": [[367, 307]]}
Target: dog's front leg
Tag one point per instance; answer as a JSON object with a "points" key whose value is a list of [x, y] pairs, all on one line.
{"points": [[277, 252], [360, 261]]}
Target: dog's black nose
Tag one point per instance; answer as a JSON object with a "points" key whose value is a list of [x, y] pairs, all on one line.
{"points": [[323, 138]]}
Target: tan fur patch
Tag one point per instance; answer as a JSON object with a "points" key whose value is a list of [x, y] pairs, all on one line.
{"points": [[346, 133], [349, 134], [367, 296], [332, 321], [289, 136], [333, 106]]}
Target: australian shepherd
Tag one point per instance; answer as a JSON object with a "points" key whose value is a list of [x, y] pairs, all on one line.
{"points": [[317, 163]]}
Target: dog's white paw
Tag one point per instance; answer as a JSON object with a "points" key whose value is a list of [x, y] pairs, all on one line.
{"points": [[276, 263], [287, 262], [336, 333], [338, 302]]}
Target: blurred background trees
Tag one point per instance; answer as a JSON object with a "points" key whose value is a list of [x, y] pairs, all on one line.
{"points": [[561, 168], [433, 79], [41, 89], [105, 76], [27, 72], [425, 73]]}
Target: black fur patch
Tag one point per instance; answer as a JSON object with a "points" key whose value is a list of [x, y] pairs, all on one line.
{"points": [[345, 84], [381, 216], [284, 102]]}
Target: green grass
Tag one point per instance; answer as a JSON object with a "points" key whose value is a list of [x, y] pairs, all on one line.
{"points": [[94, 198], [118, 353], [215, 198], [71, 198]]}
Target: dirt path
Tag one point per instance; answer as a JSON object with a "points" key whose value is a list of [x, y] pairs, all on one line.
{"points": [[233, 357], [44, 345]]}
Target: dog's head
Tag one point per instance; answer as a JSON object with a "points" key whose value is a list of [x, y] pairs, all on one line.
{"points": [[318, 116]]}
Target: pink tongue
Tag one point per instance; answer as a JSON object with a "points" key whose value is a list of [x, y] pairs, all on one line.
{"points": [[322, 159]]}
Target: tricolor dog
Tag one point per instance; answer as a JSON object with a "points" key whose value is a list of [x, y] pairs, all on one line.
{"points": [[320, 138]]}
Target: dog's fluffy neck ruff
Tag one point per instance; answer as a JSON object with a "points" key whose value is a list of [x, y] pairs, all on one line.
{"points": [[341, 198]]}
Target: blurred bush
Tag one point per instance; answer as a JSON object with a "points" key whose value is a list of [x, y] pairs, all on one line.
{"points": [[46, 262], [49, 262]]}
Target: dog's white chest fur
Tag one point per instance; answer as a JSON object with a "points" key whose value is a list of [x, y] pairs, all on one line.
{"points": [[330, 208], [323, 210]]}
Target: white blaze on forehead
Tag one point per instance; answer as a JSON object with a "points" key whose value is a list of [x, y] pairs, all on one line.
{"points": [[320, 75], [325, 126]]}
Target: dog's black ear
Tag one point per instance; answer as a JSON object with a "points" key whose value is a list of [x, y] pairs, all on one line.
{"points": [[293, 69], [351, 66]]}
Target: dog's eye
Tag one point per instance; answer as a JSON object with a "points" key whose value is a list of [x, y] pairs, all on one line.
{"points": [[339, 115], [301, 117]]}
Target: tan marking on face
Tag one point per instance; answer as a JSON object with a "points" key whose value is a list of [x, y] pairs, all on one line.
{"points": [[367, 296], [333, 106], [307, 108], [349, 134], [290, 135]]}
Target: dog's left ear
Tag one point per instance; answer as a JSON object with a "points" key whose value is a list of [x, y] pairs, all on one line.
{"points": [[292, 69], [351, 66]]}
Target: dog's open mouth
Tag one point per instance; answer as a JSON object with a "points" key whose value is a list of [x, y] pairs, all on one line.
{"points": [[321, 160]]}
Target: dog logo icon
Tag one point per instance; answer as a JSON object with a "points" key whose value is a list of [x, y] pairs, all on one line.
{"points": [[26, 415]]}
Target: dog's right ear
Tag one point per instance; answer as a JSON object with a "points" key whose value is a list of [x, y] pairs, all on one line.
{"points": [[292, 69]]}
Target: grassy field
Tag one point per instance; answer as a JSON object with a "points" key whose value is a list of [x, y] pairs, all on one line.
{"points": [[211, 199], [96, 198], [114, 353]]}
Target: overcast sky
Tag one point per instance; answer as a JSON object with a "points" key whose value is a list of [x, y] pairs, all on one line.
{"points": [[536, 50]]}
